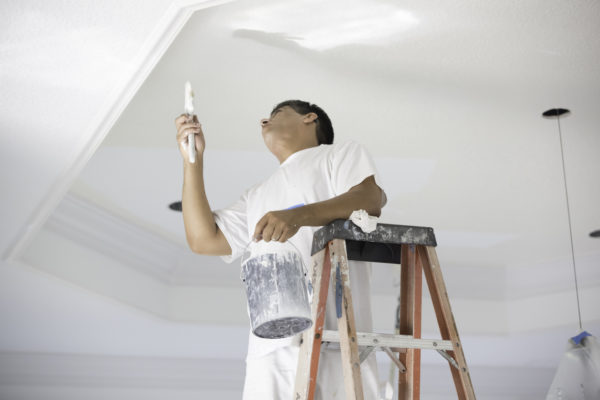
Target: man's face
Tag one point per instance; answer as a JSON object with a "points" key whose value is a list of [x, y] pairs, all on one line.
{"points": [[283, 120]]}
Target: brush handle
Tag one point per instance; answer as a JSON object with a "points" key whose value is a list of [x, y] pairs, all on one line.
{"points": [[189, 110], [192, 147], [191, 141]]}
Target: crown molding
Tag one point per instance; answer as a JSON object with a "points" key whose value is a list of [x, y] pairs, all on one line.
{"points": [[95, 228]]}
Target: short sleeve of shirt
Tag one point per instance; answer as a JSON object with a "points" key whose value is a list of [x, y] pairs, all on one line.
{"points": [[351, 164], [232, 222]]}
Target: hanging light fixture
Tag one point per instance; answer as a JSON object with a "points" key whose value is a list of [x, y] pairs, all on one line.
{"points": [[578, 373], [556, 113]]}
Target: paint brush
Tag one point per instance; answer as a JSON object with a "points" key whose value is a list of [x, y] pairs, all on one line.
{"points": [[189, 110]]}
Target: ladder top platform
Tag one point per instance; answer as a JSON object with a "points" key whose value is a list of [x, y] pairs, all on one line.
{"points": [[381, 245]]}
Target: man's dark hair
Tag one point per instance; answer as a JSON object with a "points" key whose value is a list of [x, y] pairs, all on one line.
{"points": [[323, 123]]}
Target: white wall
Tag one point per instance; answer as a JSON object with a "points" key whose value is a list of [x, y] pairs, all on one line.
{"points": [[59, 341]]}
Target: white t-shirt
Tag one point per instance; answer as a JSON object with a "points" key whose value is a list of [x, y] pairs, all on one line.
{"points": [[307, 176]]}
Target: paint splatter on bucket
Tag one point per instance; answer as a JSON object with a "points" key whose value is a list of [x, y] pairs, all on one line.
{"points": [[275, 280]]}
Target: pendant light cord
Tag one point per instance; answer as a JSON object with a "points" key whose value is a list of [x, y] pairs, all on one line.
{"points": [[562, 155]]}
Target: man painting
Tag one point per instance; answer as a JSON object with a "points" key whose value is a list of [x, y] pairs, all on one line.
{"points": [[329, 182]]}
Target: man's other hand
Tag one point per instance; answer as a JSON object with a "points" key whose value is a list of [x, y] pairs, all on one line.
{"points": [[278, 226]]}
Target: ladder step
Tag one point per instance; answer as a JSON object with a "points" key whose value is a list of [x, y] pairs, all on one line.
{"points": [[392, 341]]}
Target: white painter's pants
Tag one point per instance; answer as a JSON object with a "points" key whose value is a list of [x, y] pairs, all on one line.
{"points": [[273, 376]]}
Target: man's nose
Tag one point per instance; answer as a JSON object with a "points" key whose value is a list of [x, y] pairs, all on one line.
{"points": [[264, 121]]}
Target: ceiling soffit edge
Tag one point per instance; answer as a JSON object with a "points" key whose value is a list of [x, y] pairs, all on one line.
{"points": [[95, 228], [165, 32]]}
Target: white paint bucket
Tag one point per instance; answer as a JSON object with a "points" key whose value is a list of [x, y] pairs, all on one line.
{"points": [[276, 289]]}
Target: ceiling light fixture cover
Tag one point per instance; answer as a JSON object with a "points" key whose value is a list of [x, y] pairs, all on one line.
{"points": [[175, 206], [555, 112]]}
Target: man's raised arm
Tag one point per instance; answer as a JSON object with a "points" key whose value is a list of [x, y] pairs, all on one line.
{"points": [[202, 233]]}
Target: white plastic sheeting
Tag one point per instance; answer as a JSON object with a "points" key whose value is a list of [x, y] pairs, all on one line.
{"points": [[578, 374]]}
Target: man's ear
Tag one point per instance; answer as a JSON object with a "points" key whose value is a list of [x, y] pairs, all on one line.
{"points": [[310, 117]]}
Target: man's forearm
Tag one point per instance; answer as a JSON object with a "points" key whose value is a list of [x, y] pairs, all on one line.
{"points": [[200, 228], [366, 196]]}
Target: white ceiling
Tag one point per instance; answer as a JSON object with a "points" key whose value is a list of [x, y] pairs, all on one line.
{"points": [[450, 108], [446, 96]]}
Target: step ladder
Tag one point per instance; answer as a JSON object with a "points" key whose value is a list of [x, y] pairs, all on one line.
{"points": [[414, 248]]}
